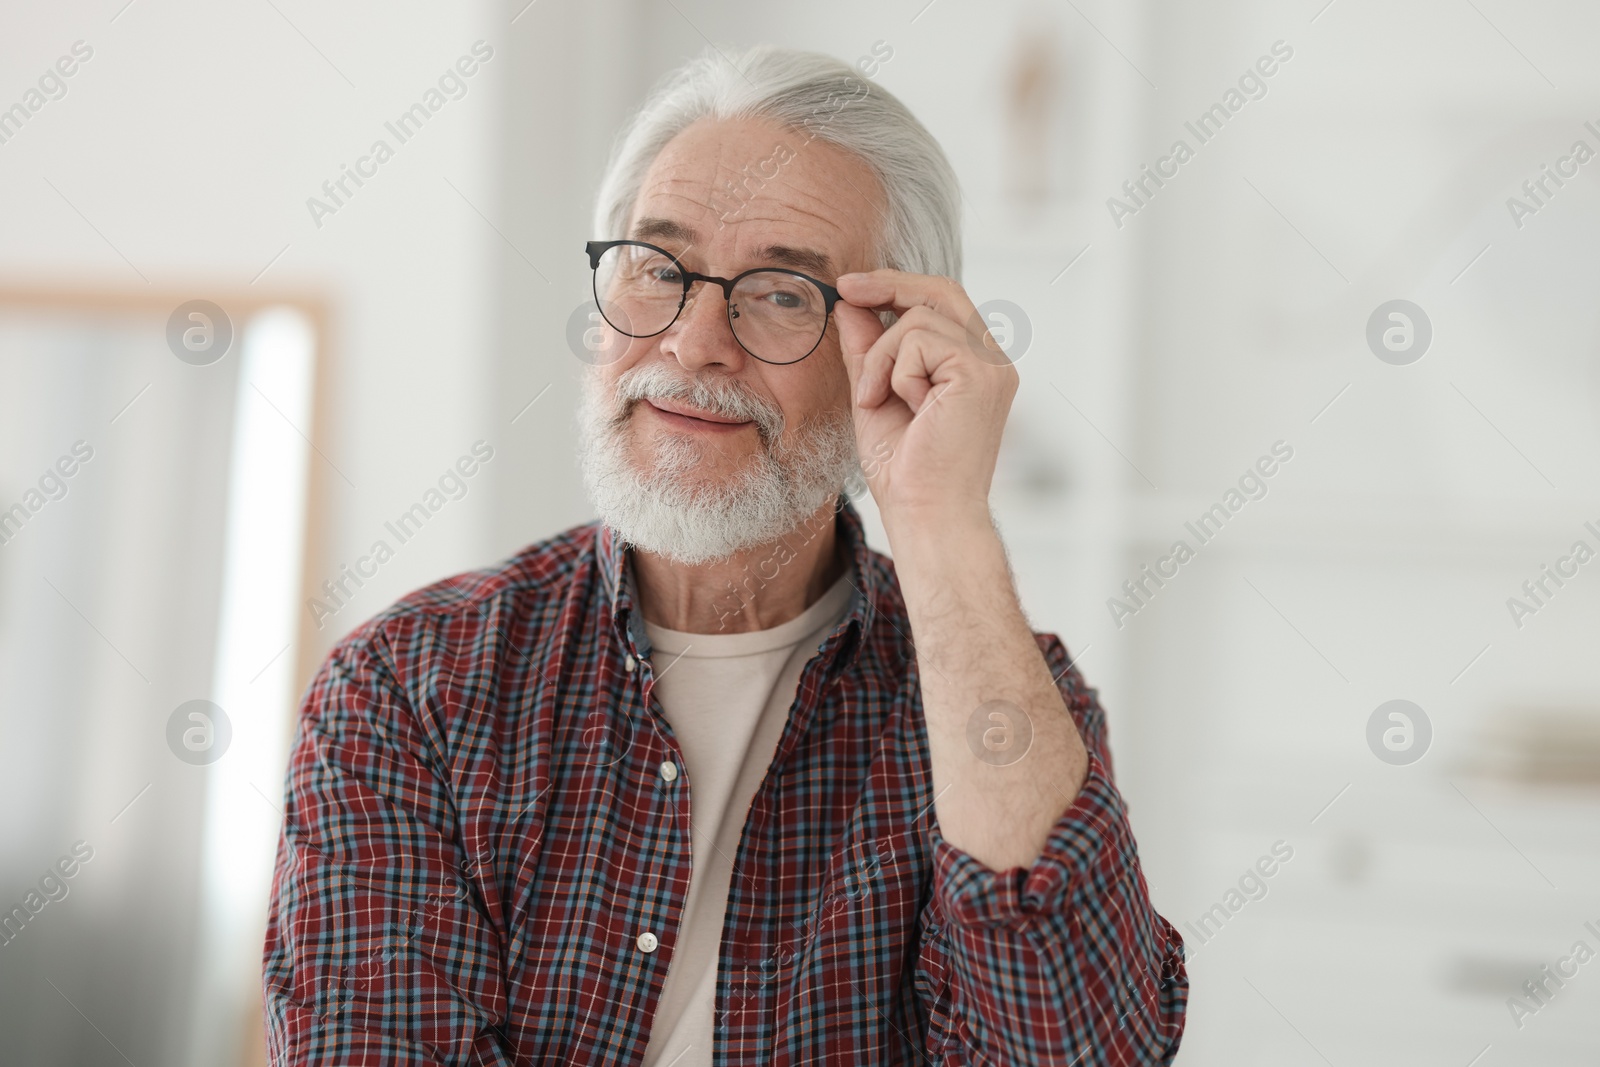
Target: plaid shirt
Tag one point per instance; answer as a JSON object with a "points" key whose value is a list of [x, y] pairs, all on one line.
{"points": [[477, 835]]}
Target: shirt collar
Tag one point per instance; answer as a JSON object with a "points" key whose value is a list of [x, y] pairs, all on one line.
{"points": [[614, 556]]}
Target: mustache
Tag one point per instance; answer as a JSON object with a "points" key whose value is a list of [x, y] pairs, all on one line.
{"points": [[723, 397]]}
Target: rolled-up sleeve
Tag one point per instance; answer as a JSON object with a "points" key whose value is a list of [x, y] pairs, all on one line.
{"points": [[377, 951], [1065, 961]]}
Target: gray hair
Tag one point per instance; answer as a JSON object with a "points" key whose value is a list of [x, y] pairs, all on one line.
{"points": [[813, 94]]}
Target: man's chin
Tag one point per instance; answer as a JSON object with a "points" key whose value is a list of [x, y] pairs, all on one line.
{"points": [[695, 499], [697, 485], [690, 466]]}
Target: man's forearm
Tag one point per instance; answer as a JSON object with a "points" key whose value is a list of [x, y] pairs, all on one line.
{"points": [[974, 646]]}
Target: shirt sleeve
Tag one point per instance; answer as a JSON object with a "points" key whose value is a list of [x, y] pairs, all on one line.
{"points": [[377, 950], [1066, 961]]}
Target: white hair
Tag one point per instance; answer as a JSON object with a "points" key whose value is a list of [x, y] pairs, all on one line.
{"points": [[656, 508], [813, 94]]}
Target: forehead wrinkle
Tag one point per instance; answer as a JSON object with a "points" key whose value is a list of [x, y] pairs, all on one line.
{"points": [[682, 208], [685, 169], [660, 203], [818, 207], [811, 232], [807, 218], [824, 234], [796, 179], [795, 208]]}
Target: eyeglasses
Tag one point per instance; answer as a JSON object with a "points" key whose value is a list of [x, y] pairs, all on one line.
{"points": [[777, 315]]}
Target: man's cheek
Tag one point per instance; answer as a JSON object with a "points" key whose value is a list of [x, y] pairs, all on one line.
{"points": [[612, 351], [604, 379]]}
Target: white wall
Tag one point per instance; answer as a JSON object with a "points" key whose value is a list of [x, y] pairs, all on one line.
{"points": [[1178, 347], [187, 146]]}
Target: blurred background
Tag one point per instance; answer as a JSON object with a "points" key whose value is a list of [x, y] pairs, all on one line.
{"points": [[224, 377]]}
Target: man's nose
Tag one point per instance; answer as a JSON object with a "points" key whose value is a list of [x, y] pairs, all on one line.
{"points": [[702, 335]]}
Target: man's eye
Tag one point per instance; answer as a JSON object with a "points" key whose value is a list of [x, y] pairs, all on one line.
{"points": [[786, 299], [666, 274]]}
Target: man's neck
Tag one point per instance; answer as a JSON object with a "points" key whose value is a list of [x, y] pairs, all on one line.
{"points": [[753, 590]]}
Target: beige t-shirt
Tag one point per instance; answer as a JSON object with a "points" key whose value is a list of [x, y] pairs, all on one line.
{"points": [[727, 697]]}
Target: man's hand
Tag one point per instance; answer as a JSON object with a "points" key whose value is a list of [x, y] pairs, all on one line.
{"points": [[931, 394]]}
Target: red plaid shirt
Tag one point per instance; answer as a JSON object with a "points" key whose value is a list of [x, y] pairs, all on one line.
{"points": [[477, 834]]}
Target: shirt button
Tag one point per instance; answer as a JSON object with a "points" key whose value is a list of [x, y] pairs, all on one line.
{"points": [[647, 942], [629, 664], [669, 771]]}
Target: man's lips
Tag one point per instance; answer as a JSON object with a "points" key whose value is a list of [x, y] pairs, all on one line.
{"points": [[683, 415]]}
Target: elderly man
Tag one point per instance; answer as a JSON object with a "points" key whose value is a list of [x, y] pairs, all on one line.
{"points": [[709, 780]]}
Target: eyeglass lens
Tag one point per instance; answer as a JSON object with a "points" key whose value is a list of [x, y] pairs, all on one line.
{"points": [[776, 316]]}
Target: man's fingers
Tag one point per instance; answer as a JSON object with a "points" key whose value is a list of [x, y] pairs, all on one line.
{"points": [[859, 329], [889, 358], [912, 376], [897, 290]]}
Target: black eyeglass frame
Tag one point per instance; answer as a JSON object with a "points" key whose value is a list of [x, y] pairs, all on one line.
{"points": [[830, 295]]}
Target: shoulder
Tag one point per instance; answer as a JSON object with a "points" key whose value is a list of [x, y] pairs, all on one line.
{"points": [[463, 616]]}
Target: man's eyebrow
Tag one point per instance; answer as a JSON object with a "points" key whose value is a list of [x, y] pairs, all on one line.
{"points": [[649, 226], [808, 260], [803, 259]]}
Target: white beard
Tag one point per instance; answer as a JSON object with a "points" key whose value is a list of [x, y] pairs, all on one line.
{"points": [[654, 508]]}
